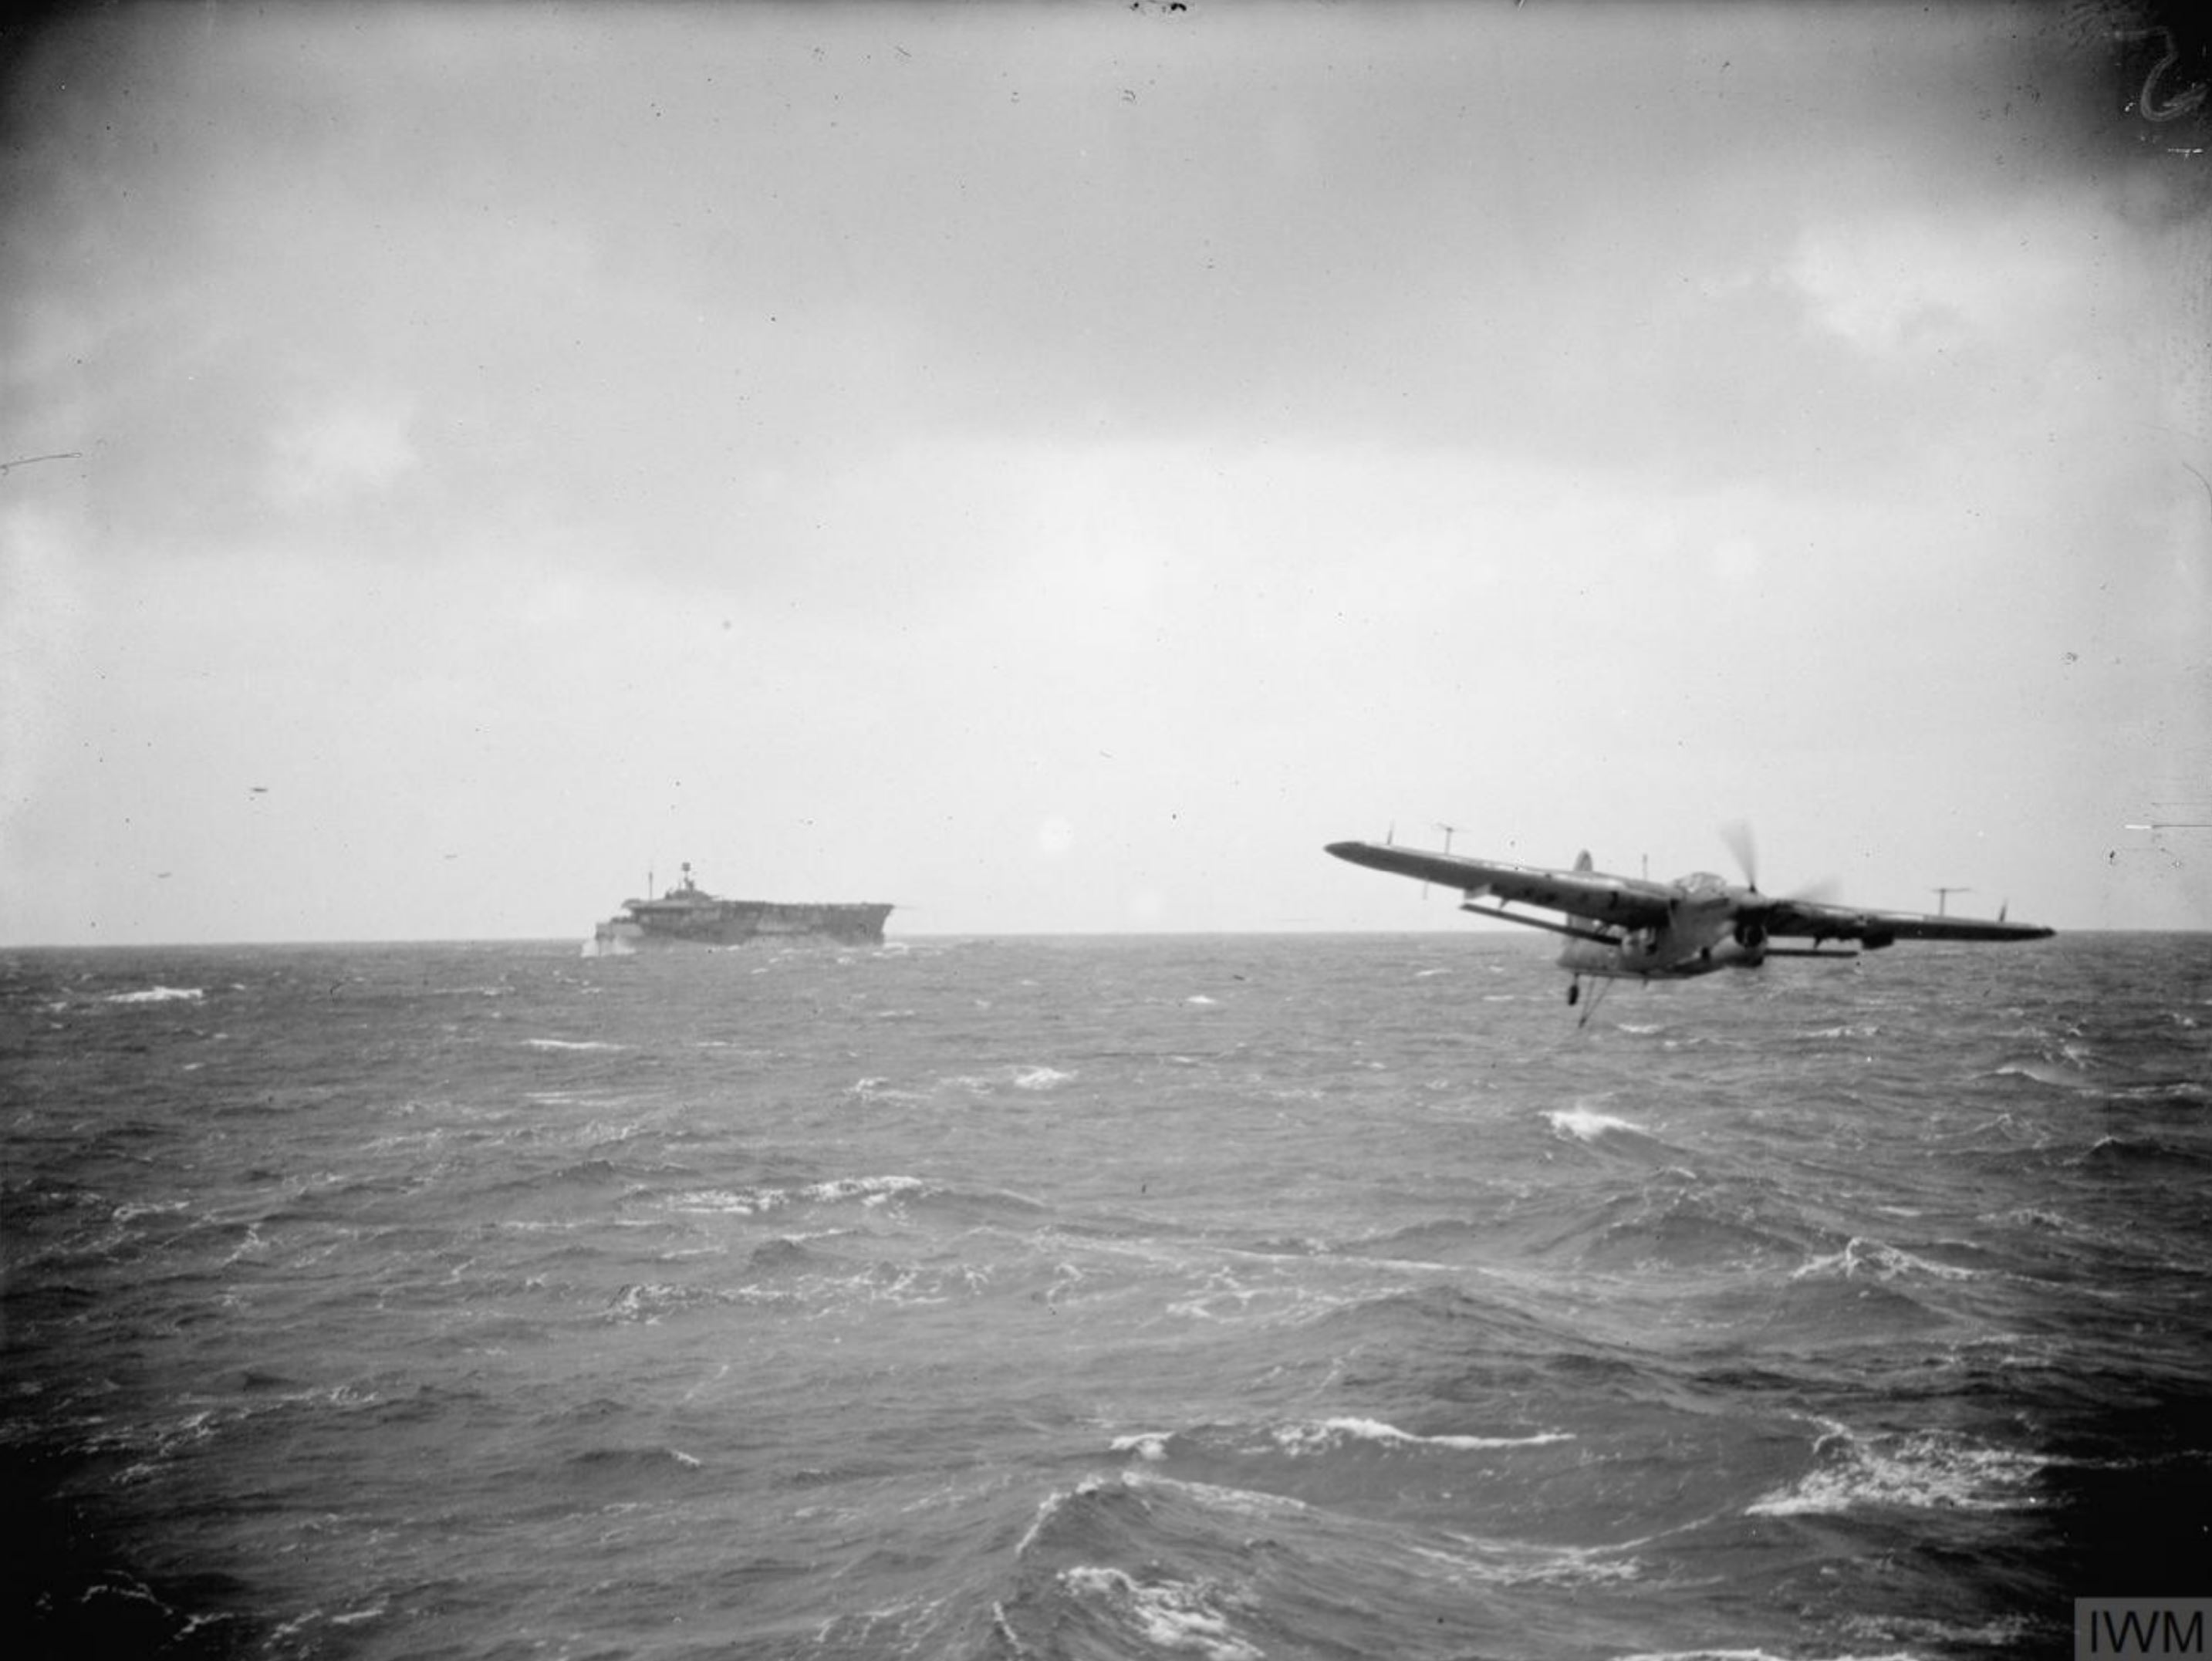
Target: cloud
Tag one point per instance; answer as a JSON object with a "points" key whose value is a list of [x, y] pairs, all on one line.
{"points": [[41, 627], [338, 452], [1019, 464], [1910, 284]]}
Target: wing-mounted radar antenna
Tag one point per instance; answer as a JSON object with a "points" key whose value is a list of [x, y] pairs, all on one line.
{"points": [[1943, 896], [1448, 829]]}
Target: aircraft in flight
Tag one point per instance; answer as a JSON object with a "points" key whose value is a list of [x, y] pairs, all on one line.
{"points": [[1624, 927]]}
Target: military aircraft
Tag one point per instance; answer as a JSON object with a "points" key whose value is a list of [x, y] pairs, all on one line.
{"points": [[1624, 928]]}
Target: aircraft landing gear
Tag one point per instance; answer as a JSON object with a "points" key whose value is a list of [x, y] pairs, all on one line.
{"points": [[1597, 997]]}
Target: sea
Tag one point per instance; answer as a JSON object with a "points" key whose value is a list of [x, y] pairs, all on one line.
{"points": [[1215, 1298]]}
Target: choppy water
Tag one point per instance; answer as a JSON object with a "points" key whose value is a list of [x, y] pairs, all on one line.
{"points": [[1223, 1298]]}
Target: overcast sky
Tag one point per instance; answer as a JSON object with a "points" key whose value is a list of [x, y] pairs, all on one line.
{"points": [[1053, 466]]}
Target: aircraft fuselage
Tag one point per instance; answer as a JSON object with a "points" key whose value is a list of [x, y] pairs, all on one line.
{"points": [[1697, 938]]}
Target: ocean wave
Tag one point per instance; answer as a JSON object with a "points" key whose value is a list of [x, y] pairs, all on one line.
{"points": [[2042, 1072], [1683, 1231], [780, 1254], [158, 994], [870, 1191], [129, 1213], [882, 1090], [1144, 1443], [2191, 1092], [1300, 1440], [1510, 1563], [1176, 1615], [2145, 1150], [572, 1043], [1504, 1334], [1305, 1438], [1922, 1470], [618, 1473], [1877, 1260], [1052, 1505], [1216, 1496], [1223, 1296], [1586, 1124], [1033, 1076], [646, 1303]]}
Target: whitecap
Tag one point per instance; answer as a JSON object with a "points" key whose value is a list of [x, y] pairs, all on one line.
{"points": [[1586, 1124], [712, 1199], [1926, 1470], [1242, 1502], [1876, 1260], [1176, 1614], [881, 1090], [1515, 1563], [571, 1044], [159, 994], [869, 1190], [1048, 1507], [2044, 1073], [129, 1213], [1315, 1438], [746, 1203]]}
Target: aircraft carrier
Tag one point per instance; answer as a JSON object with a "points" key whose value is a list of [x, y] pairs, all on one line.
{"points": [[688, 915]]}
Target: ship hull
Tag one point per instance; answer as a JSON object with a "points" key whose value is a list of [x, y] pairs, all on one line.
{"points": [[654, 926]]}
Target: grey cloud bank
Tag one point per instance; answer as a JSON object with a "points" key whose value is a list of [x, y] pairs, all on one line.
{"points": [[1054, 468]]}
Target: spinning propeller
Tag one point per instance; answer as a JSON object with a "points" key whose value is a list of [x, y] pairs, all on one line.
{"points": [[1751, 919], [1736, 833]]}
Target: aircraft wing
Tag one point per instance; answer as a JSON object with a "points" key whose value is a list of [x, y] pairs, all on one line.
{"points": [[1805, 920], [1624, 902]]}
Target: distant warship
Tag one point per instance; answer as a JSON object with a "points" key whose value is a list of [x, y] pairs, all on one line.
{"points": [[688, 915]]}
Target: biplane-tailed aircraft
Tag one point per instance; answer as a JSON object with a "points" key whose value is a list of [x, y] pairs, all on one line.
{"points": [[1622, 927]]}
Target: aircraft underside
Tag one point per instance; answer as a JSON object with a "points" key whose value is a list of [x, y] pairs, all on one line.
{"points": [[1665, 956], [1635, 960]]}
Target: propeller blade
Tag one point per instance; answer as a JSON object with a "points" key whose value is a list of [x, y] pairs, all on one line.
{"points": [[1736, 833]]}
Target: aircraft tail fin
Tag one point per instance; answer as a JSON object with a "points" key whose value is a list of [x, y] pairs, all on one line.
{"points": [[1583, 862]]}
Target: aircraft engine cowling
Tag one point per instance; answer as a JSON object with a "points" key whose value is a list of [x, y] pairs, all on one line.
{"points": [[1750, 934]]}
